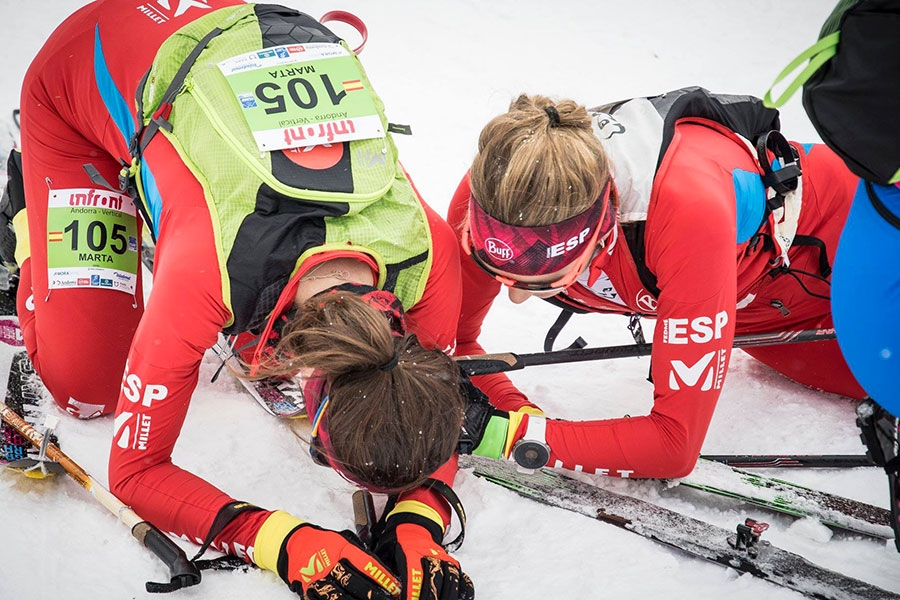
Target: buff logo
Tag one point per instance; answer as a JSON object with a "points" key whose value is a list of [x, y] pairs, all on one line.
{"points": [[498, 250], [383, 579], [568, 245]]}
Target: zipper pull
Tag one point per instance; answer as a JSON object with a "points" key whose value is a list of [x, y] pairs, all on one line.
{"points": [[781, 307]]}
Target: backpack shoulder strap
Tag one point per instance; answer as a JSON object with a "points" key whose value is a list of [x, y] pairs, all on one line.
{"points": [[634, 237]]}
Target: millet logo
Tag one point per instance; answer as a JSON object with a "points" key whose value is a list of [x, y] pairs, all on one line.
{"points": [[498, 250], [161, 11], [318, 562]]}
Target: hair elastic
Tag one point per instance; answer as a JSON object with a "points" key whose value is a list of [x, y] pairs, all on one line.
{"points": [[553, 114], [391, 363]]}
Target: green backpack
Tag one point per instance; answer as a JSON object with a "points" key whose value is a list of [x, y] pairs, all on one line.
{"points": [[851, 86]]}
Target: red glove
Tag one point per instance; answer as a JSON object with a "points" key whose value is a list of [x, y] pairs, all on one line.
{"points": [[410, 545], [320, 564]]}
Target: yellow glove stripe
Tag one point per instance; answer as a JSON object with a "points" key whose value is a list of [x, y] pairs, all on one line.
{"points": [[531, 410], [23, 242], [270, 536], [418, 508], [515, 419]]}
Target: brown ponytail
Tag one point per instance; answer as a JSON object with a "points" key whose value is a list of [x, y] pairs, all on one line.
{"points": [[539, 163], [395, 408]]}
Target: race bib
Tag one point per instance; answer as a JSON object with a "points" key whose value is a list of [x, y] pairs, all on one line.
{"points": [[303, 95], [92, 240]]}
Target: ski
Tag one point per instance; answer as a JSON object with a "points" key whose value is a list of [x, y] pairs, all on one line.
{"points": [[790, 498], [781, 461], [741, 549], [25, 398], [282, 398]]}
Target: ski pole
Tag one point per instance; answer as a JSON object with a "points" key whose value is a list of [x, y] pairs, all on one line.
{"points": [[484, 364], [183, 573], [820, 461], [364, 517]]}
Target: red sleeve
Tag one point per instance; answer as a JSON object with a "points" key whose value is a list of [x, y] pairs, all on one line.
{"points": [[693, 192], [478, 292], [179, 324], [434, 316]]}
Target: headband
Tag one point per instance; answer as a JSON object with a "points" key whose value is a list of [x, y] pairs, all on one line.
{"points": [[541, 249]]}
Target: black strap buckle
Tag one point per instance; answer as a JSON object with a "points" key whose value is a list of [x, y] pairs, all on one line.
{"points": [[786, 178]]}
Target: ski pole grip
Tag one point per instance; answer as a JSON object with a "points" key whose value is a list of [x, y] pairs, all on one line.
{"points": [[490, 363], [182, 572]]}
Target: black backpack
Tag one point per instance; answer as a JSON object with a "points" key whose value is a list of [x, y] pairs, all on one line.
{"points": [[851, 86]]}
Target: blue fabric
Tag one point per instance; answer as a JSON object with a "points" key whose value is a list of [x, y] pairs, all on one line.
{"points": [[750, 202], [122, 116], [118, 109], [865, 296], [151, 195]]}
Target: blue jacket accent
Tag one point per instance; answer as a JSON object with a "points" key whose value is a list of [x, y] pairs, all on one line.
{"points": [[750, 202], [151, 195], [115, 103]]}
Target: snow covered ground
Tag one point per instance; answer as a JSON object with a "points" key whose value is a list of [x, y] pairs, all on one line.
{"points": [[446, 68]]}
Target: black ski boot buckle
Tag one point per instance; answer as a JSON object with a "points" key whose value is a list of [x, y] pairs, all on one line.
{"points": [[878, 432], [747, 537]]}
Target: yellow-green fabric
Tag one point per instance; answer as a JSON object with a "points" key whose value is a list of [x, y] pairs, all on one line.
{"points": [[383, 214]]}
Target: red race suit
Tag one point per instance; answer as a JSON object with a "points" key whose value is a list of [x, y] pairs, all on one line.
{"points": [[710, 291], [101, 351]]}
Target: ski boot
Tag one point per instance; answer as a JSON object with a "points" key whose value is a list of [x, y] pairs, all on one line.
{"points": [[880, 435], [24, 396]]}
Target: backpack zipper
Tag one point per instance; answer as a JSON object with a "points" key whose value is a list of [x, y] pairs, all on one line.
{"points": [[785, 312]]}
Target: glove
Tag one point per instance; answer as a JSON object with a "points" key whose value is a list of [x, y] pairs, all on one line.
{"points": [[500, 433], [488, 431], [410, 545], [319, 564]]}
